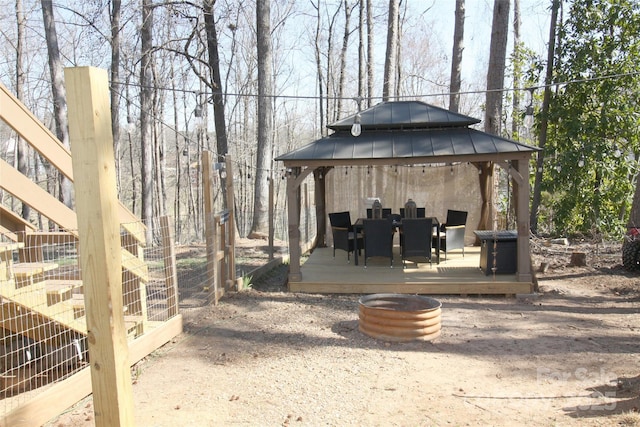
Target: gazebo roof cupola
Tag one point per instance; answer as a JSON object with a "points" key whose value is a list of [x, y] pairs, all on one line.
{"points": [[399, 115]]}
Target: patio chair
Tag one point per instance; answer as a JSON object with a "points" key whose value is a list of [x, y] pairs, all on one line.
{"points": [[452, 232], [416, 240], [378, 239], [385, 212], [421, 213], [343, 233]]}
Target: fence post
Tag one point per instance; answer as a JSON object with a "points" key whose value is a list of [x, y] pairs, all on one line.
{"points": [[210, 225], [99, 232], [271, 208], [231, 225], [170, 273]]}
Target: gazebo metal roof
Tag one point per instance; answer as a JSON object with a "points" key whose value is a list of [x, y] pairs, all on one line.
{"points": [[405, 145], [408, 131], [405, 115]]}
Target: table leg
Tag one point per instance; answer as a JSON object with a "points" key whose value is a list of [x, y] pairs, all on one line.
{"points": [[438, 246]]}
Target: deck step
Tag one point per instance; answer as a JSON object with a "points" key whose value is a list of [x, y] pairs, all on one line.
{"points": [[28, 273], [59, 290], [135, 266], [134, 326], [21, 319], [77, 302]]}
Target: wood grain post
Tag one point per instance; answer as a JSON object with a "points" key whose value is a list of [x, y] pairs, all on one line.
{"points": [[231, 226], [209, 223], [271, 228], [99, 232], [170, 270]]}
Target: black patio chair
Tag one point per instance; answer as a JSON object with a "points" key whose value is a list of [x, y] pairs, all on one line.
{"points": [[421, 213], [385, 212], [416, 240], [343, 233], [378, 239], [452, 232]]}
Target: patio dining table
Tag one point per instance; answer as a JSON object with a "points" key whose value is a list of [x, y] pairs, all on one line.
{"points": [[358, 226]]}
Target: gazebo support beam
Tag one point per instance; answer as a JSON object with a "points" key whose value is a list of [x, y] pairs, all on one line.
{"points": [[522, 218], [295, 177]]}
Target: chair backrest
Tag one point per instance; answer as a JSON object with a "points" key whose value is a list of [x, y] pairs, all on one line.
{"points": [[416, 236], [340, 219], [378, 237], [421, 213], [386, 212], [456, 217]]}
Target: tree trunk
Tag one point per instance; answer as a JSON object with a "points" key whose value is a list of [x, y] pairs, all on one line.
{"points": [[22, 152], [495, 85], [634, 217], [343, 57], [58, 92], [216, 82], [390, 62], [330, 78], [370, 64], [542, 135], [146, 108], [517, 70], [361, 59], [319, 73], [116, 86], [260, 226], [456, 58], [497, 61]]}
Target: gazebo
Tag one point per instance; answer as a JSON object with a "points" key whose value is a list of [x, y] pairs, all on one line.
{"points": [[409, 133]]}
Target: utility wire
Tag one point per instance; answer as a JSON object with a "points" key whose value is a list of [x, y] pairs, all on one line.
{"points": [[373, 98]]}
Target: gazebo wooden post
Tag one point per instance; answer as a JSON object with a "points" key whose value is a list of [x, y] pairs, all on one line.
{"points": [[319, 176], [293, 216], [295, 178], [522, 218]]}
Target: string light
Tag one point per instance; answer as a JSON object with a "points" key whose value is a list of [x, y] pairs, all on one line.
{"points": [[356, 128]]}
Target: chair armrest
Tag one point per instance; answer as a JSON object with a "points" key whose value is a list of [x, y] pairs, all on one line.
{"points": [[455, 227]]}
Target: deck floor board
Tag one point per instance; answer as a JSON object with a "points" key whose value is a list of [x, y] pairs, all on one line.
{"points": [[322, 273]]}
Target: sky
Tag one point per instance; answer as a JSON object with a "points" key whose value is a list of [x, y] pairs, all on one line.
{"points": [[438, 17], [535, 16]]}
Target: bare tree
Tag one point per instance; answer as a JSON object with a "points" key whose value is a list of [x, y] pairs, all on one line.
{"points": [[361, 59], [58, 92], [391, 58], [22, 146], [216, 84], [542, 131], [370, 74], [493, 109], [320, 74], [497, 61], [146, 107], [456, 58], [116, 86], [260, 225], [343, 56], [517, 67]]}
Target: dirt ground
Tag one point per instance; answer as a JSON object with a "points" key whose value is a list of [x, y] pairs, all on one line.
{"points": [[568, 355]]}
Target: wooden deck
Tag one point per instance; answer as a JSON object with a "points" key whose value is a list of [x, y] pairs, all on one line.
{"points": [[458, 275]]}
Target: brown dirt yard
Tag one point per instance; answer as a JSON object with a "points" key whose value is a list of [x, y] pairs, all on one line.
{"points": [[566, 356]]}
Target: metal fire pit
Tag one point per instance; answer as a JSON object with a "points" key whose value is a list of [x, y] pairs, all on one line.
{"points": [[399, 317]]}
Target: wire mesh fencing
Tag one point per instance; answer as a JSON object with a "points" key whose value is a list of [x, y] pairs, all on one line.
{"points": [[44, 304]]}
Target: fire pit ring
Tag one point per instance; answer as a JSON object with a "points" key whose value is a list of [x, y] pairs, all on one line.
{"points": [[399, 317]]}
